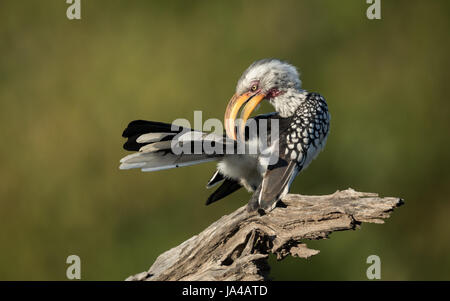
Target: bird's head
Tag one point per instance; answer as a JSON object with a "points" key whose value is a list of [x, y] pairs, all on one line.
{"points": [[266, 79]]}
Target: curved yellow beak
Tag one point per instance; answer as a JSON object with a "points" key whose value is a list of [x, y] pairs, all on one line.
{"points": [[251, 101]]}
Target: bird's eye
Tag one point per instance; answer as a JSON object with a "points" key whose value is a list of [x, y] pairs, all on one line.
{"points": [[254, 88]]}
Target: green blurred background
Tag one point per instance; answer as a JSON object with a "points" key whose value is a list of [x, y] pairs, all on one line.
{"points": [[68, 89]]}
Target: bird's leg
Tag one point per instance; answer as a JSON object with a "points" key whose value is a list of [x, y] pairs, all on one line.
{"points": [[253, 204]]}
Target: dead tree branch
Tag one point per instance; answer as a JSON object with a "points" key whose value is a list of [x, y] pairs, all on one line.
{"points": [[236, 247]]}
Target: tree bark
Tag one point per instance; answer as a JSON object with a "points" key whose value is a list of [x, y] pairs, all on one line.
{"points": [[236, 247]]}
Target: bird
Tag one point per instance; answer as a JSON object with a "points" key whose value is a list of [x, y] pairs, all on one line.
{"points": [[301, 120]]}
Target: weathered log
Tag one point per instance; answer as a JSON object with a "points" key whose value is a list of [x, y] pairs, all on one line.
{"points": [[236, 247]]}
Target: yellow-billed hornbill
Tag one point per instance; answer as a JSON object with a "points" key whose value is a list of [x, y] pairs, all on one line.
{"points": [[302, 121]]}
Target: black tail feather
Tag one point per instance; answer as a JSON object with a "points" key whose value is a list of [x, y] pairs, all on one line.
{"points": [[215, 179], [137, 128], [228, 187]]}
